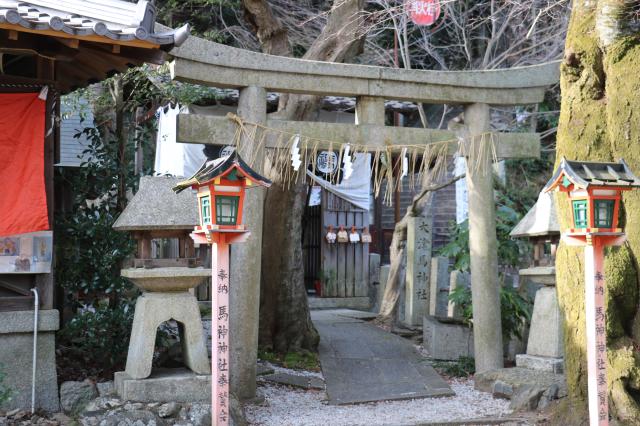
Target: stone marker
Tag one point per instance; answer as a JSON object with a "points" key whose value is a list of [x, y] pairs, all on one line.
{"points": [[457, 279], [439, 287], [448, 341], [545, 347], [418, 266], [546, 336]]}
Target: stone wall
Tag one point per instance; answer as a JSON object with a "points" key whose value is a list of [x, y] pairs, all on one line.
{"points": [[16, 349]]}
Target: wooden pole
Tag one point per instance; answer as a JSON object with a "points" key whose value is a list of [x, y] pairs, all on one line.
{"points": [[220, 331], [596, 333]]}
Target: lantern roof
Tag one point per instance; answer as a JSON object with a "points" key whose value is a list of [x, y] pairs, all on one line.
{"points": [[221, 167], [156, 207], [584, 174], [540, 220]]}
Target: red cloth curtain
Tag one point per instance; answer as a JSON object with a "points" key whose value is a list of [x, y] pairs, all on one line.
{"points": [[23, 201]]}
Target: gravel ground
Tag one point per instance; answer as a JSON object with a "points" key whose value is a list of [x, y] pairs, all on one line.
{"points": [[286, 406]]}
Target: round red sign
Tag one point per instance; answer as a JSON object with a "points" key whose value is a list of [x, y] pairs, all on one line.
{"points": [[423, 12]]}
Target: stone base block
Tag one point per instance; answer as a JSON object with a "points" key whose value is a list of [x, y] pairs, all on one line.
{"points": [[545, 334], [542, 363], [164, 385], [527, 389], [447, 341], [16, 353], [359, 303]]}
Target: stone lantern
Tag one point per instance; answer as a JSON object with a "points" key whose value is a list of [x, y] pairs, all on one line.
{"points": [[165, 268], [545, 349]]}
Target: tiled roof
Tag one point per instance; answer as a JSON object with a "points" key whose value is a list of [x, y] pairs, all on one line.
{"points": [[329, 103], [113, 19], [585, 173], [218, 167]]}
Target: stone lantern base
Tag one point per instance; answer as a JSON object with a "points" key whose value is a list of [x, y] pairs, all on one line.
{"points": [[166, 297], [164, 385]]}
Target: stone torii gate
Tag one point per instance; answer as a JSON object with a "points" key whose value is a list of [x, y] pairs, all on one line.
{"points": [[211, 64]]}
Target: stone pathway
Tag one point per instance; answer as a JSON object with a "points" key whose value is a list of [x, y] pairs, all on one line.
{"points": [[362, 363]]}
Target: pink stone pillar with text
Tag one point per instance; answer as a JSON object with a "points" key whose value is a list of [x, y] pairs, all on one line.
{"points": [[596, 333], [220, 333]]}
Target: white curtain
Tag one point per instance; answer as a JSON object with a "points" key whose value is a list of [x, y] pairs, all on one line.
{"points": [[356, 189], [173, 157]]}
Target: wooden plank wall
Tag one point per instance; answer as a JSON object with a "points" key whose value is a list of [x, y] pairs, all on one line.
{"points": [[345, 267], [312, 241]]}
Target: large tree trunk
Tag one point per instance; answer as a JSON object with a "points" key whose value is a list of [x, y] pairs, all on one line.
{"points": [[285, 323], [599, 121]]}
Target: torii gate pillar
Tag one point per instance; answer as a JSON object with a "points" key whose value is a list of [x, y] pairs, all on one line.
{"points": [[485, 288], [245, 265]]}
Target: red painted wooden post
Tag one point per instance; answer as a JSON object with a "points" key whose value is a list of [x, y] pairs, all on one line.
{"points": [[220, 331]]}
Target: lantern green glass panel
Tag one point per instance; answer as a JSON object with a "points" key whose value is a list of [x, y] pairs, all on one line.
{"points": [[227, 209], [580, 214], [205, 203], [603, 213]]}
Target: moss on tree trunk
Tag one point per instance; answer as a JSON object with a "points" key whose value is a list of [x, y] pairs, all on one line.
{"points": [[600, 121]]}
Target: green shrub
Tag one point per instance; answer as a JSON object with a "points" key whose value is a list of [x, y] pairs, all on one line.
{"points": [[515, 310], [5, 392], [99, 338]]}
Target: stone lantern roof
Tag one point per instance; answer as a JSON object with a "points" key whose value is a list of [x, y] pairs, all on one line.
{"points": [[541, 220], [156, 207]]}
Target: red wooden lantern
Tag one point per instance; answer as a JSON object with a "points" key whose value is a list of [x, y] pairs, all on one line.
{"points": [[594, 191], [221, 186]]}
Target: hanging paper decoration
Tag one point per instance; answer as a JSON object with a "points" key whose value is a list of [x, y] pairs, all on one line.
{"points": [[405, 164], [421, 163], [354, 237], [331, 236], [296, 159], [343, 237], [366, 236], [347, 165]]}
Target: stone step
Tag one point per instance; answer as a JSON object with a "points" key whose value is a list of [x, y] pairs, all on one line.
{"points": [[541, 363], [526, 388]]}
